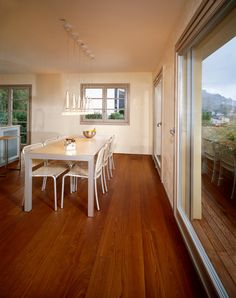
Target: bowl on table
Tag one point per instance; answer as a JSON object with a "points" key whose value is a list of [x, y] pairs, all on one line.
{"points": [[89, 133]]}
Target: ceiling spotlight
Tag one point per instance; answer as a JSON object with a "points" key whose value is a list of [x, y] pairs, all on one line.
{"points": [[68, 27], [80, 42], [75, 35], [84, 47]]}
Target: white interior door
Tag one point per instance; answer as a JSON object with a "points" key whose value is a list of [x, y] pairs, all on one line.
{"points": [[158, 124]]}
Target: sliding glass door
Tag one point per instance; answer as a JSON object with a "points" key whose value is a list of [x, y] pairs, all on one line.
{"points": [[206, 169]]}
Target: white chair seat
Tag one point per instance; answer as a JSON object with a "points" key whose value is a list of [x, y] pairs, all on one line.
{"points": [[46, 170], [77, 171], [37, 162], [50, 171]]}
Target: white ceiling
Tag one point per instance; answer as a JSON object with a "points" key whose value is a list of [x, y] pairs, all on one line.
{"points": [[124, 35]]}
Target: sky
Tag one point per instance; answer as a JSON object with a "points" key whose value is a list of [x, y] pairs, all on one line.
{"points": [[219, 71]]}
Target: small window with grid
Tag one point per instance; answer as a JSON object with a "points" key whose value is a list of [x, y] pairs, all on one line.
{"points": [[108, 103]]}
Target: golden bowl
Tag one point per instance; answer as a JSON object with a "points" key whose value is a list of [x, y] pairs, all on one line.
{"points": [[89, 133]]}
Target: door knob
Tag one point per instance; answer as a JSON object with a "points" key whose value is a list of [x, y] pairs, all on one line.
{"points": [[172, 131], [159, 124]]}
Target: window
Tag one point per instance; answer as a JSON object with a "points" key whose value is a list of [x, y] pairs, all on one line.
{"points": [[15, 108], [108, 103]]}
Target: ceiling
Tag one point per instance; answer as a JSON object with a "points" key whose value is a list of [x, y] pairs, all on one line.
{"points": [[124, 35]]}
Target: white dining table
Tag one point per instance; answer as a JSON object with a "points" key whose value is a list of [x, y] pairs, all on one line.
{"points": [[86, 150]]}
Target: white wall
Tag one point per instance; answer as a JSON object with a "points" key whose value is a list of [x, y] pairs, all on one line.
{"points": [[48, 101]]}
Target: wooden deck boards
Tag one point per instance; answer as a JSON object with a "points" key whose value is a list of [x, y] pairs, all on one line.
{"points": [[217, 232]]}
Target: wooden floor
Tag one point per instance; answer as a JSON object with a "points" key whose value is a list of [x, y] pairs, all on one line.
{"points": [[217, 231], [131, 248]]}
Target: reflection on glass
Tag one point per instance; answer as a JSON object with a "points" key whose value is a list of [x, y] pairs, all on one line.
{"points": [[116, 93], [217, 227]]}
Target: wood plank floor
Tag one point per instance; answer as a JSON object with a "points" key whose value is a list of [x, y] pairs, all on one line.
{"points": [[131, 248], [217, 231]]}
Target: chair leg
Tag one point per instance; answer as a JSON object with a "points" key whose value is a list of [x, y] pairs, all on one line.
{"points": [[44, 183], [71, 184], [104, 177], [103, 191], [220, 176], [112, 161], [55, 193], [234, 182], [62, 190], [110, 166], [76, 184], [96, 193], [213, 171], [108, 176]]}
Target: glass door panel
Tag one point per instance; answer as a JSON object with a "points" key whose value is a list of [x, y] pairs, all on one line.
{"points": [[206, 179]]}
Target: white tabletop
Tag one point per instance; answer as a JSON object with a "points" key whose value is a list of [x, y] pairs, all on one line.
{"points": [[84, 148]]}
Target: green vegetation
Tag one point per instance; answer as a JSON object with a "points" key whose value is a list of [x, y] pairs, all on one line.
{"points": [[117, 115], [223, 134], [94, 116], [114, 116], [20, 107], [206, 118]]}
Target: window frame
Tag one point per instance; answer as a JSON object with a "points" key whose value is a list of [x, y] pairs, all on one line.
{"points": [[105, 87], [10, 109]]}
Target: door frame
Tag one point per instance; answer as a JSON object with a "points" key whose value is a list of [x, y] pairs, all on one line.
{"points": [[159, 77]]}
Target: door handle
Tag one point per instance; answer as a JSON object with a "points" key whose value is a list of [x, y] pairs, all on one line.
{"points": [[172, 131], [159, 124]]}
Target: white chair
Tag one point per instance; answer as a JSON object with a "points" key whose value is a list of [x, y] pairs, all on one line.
{"points": [[46, 170], [110, 158], [35, 162], [78, 172], [210, 152], [105, 164], [61, 162], [228, 162]]}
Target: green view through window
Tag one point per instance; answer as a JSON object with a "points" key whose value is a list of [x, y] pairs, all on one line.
{"points": [[15, 108]]}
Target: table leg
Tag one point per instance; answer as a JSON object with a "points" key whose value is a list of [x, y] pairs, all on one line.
{"points": [[91, 187], [28, 184]]}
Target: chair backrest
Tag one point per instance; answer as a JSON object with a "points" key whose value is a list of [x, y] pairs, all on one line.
{"points": [[227, 158], [112, 145], [210, 149], [32, 147], [61, 137], [106, 152], [50, 141], [99, 161]]}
